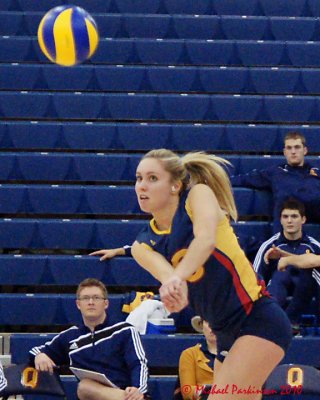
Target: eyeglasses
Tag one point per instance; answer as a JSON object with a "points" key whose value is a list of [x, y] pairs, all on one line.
{"points": [[95, 299]]}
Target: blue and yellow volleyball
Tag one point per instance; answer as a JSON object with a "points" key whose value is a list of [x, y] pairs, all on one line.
{"points": [[68, 35]]}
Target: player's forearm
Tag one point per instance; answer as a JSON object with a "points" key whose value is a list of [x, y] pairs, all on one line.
{"points": [[153, 262], [197, 254]]}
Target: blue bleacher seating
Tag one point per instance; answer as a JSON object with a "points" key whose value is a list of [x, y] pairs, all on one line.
{"points": [[58, 166], [304, 54], [20, 310], [144, 136], [291, 108], [66, 233], [44, 309], [177, 26], [160, 388], [81, 199], [179, 52], [253, 138], [104, 167], [166, 107], [86, 234], [5, 4], [314, 8], [43, 5], [298, 8], [249, 28], [293, 8], [10, 24], [294, 29], [21, 269], [138, 6], [165, 350], [161, 79], [237, 7], [89, 234], [188, 7], [277, 80], [25, 105]]}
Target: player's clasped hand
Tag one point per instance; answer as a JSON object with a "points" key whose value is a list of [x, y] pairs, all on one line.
{"points": [[174, 294], [132, 393]]}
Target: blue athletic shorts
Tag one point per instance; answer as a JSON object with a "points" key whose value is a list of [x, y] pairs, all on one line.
{"points": [[266, 320]]}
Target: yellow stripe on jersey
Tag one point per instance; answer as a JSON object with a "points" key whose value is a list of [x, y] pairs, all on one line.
{"points": [[156, 230]]}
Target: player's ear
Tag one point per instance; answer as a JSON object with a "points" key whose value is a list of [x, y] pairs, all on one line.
{"points": [[176, 187]]}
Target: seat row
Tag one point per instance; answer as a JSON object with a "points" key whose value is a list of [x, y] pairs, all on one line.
{"points": [[160, 107], [103, 167], [178, 26], [60, 309], [34, 270], [121, 200], [220, 7], [101, 137], [49, 309], [223, 80], [160, 388], [94, 234], [163, 350], [178, 52], [86, 234]]}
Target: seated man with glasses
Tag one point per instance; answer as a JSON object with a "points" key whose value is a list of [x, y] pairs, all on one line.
{"points": [[115, 351]]}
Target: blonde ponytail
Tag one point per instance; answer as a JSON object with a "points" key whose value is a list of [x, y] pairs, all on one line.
{"points": [[199, 167], [210, 170]]}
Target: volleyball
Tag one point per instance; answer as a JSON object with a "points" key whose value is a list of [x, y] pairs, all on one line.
{"points": [[68, 35]]}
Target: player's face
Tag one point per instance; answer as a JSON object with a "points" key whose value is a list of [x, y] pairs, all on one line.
{"points": [[292, 221], [92, 304], [294, 151], [153, 186]]}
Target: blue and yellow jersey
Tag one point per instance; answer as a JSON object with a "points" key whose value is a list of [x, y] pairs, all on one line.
{"points": [[222, 290]]}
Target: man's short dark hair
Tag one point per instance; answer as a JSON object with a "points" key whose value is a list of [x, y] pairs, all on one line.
{"points": [[92, 282], [293, 204], [295, 135]]}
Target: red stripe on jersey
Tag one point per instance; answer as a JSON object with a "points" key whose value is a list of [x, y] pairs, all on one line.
{"points": [[243, 296]]}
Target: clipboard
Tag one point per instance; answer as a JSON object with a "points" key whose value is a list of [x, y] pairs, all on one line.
{"points": [[81, 373]]}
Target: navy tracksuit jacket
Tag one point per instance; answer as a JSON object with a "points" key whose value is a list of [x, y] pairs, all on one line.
{"points": [[302, 284]]}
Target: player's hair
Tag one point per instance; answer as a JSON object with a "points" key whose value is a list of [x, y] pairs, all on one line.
{"points": [[295, 135], [199, 167], [92, 282], [293, 204]]}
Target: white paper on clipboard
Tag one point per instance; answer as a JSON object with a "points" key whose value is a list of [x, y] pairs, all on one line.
{"points": [[96, 376]]}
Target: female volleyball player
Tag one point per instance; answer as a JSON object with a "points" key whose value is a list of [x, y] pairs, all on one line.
{"points": [[190, 247]]}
